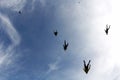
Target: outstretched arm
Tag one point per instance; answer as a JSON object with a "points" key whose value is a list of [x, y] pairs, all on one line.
{"points": [[89, 63], [89, 67], [106, 26], [109, 26], [84, 63]]}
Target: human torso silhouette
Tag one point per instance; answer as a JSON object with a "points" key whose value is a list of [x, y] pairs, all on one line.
{"points": [[107, 29], [65, 45], [86, 67]]}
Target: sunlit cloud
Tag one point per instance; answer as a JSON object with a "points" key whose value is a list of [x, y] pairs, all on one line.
{"points": [[90, 19]]}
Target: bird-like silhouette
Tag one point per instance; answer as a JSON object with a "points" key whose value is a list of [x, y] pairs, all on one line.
{"points": [[86, 67], [55, 33], [19, 12], [65, 45], [107, 29]]}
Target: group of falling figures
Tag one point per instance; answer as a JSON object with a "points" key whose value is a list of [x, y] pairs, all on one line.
{"points": [[86, 66], [65, 46]]}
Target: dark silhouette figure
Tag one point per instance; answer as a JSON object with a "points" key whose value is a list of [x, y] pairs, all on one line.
{"points": [[19, 12], [86, 67], [55, 33], [107, 29], [65, 45]]}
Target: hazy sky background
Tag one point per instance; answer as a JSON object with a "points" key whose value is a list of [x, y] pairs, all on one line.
{"points": [[30, 51]]}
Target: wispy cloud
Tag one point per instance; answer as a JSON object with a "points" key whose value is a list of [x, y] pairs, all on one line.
{"points": [[33, 5], [13, 4], [53, 66], [7, 54], [40, 2], [10, 30]]}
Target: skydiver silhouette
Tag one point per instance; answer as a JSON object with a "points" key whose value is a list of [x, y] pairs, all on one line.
{"points": [[86, 67], [19, 12], [55, 33], [65, 45], [107, 29]]}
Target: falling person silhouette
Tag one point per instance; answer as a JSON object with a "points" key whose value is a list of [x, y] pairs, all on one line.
{"points": [[107, 29], [86, 67], [65, 45], [19, 12], [55, 33]]}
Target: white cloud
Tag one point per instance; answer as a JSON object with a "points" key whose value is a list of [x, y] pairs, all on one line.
{"points": [[90, 19], [53, 66], [10, 30], [13, 4], [7, 54]]}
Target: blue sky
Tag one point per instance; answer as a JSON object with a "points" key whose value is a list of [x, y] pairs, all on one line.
{"points": [[30, 51]]}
